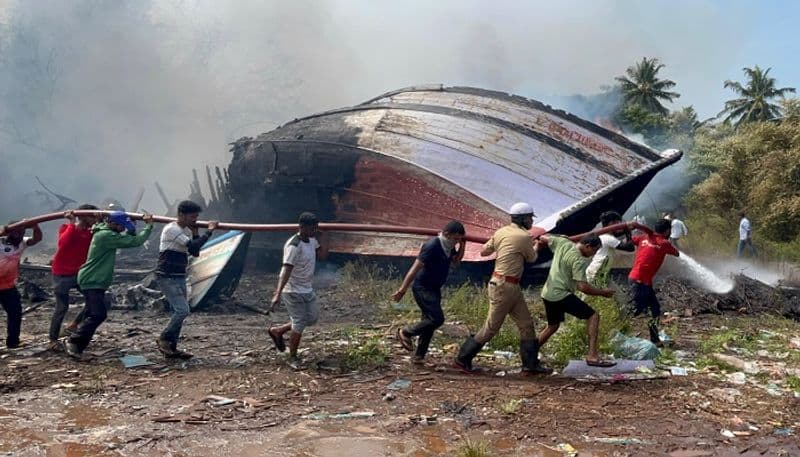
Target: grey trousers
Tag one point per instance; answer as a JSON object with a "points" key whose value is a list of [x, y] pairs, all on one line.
{"points": [[61, 287]]}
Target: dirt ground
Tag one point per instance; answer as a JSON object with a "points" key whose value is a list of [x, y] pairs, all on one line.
{"points": [[238, 396]]}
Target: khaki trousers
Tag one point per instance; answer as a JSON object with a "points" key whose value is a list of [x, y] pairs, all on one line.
{"points": [[506, 299]]}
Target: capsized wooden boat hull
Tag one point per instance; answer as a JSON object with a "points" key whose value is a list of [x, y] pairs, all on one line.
{"points": [[424, 155]]}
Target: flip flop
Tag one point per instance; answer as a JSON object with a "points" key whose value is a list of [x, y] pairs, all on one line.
{"points": [[280, 345], [405, 341], [600, 363]]}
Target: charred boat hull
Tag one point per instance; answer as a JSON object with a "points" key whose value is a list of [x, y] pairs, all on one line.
{"points": [[425, 155]]}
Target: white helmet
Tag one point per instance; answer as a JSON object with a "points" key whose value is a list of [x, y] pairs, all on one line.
{"points": [[521, 209]]}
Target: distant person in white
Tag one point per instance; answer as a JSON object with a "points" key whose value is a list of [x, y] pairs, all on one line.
{"points": [[745, 236], [294, 289], [677, 229]]}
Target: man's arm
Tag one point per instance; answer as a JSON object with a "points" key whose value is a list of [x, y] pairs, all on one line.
{"points": [[194, 245], [462, 246], [641, 227], [37, 236], [412, 273], [324, 245], [131, 241], [283, 278], [488, 248], [588, 289]]}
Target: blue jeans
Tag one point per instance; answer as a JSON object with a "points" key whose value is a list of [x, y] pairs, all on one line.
{"points": [[742, 244], [174, 288]]}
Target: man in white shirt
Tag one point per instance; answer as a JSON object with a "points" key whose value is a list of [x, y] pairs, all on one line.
{"points": [[294, 284], [179, 240], [677, 229], [745, 236], [602, 262]]}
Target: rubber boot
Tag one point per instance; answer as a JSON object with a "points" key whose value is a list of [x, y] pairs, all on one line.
{"points": [[652, 327], [529, 353], [469, 349]]}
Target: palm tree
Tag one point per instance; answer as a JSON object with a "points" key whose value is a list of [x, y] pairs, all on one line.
{"points": [[641, 86], [753, 103]]}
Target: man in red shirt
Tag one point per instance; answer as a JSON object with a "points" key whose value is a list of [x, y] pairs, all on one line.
{"points": [[651, 248], [74, 238]]}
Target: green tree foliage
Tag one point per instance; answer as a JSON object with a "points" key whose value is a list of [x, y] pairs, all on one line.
{"points": [[757, 169], [755, 96], [641, 86]]}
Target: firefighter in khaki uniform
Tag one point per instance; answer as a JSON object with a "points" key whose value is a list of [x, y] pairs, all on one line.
{"points": [[514, 247]]}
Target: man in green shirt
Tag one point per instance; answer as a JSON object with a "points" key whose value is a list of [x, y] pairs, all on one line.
{"points": [[96, 274], [568, 274]]}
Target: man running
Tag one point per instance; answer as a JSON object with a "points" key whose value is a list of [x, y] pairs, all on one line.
{"points": [[96, 275], [295, 290], [74, 238], [429, 273], [12, 244], [652, 247], [514, 247], [568, 274], [179, 240]]}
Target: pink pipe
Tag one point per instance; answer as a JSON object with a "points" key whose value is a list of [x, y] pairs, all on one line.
{"points": [[292, 227]]}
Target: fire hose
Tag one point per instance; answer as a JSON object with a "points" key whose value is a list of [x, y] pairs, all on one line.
{"points": [[333, 226]]}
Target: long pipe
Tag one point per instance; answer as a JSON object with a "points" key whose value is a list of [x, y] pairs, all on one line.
{"points": [[292, 227], [251, 227]]}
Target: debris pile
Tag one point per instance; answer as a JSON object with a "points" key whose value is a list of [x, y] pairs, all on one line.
{"points": [[749, 296]]}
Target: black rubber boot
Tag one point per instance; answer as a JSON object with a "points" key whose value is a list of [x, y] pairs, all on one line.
{"points": [[469, 349], [529, 353]]}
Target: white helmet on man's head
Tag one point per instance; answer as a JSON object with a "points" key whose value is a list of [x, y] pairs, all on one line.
{"points": [[521, 209]]}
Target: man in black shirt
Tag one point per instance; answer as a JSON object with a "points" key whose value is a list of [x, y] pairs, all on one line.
{"points": [[429, 273]]}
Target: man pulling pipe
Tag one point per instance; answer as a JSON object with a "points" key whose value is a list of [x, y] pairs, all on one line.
{"points": [[13, 243], [96, 274], [179, 240], [514, 247], [74, 239], [295, 288], [568, 274], [428, 274]]}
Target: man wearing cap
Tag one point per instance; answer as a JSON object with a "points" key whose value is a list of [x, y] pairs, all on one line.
{"points": [[96, 274], [514, 247]]}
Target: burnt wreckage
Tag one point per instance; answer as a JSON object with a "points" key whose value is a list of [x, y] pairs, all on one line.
{"points": [[421, 156]]}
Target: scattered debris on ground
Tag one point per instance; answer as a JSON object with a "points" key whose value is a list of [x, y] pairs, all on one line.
{"points": [[728, 385]]}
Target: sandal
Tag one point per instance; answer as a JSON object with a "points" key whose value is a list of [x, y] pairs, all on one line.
{"points": [[600, 363], [405, 341]]}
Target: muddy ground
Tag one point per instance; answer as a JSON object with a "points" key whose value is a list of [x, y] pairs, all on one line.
{"points": [[238, 396]]}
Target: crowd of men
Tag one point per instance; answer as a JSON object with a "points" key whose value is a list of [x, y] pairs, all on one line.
{"points": [[87, 248]]}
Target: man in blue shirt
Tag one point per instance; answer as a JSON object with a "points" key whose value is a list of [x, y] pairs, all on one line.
{"points": [[429, 273]]}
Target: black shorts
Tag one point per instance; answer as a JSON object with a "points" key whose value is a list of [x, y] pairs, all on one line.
{"points": [[570, 304]]}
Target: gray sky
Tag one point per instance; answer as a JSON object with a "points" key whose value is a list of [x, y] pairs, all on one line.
{"points": [[99, 98]]}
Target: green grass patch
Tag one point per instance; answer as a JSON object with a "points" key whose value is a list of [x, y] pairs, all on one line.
{"points": [[368, 282], [510, 406], [470, 448], [716, 342], [366, 356], [793, 382]]}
